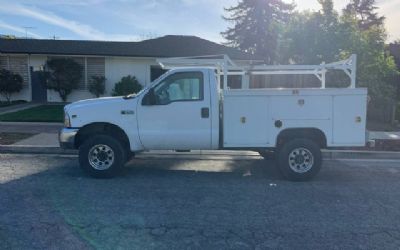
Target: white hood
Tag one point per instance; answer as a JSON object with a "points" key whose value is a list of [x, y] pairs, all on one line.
{"points": [[107, 109]]}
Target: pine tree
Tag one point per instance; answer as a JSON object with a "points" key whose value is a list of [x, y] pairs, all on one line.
{"points": [[257, 25]]}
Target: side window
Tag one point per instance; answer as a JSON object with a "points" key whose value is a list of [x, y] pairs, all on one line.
{"points": [[185, 86]]}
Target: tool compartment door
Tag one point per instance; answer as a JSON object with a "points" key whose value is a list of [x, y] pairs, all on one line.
{"points": [[245, 121], [349, 120]]}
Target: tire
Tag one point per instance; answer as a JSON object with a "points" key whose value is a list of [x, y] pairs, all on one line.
{"points": [[299, 159], [102, 156]]}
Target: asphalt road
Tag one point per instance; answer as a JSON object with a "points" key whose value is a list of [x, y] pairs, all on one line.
{"points": [[205, 203]]}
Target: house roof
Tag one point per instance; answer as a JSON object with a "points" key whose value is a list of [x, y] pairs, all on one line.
{"points": [[166, 46]]}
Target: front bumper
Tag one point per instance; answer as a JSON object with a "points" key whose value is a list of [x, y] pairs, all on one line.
{"points": [[66, 137]]}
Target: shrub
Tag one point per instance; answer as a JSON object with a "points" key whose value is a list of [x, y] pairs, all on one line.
{"points": [[9, 83], [97, 85], [63, 76], [127, 85]]}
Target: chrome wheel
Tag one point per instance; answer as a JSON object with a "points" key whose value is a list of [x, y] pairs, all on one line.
{"points": [[101, 157], [301, 160]]}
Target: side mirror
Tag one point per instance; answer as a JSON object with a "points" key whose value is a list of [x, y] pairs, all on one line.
{"points": [[149, 99]]}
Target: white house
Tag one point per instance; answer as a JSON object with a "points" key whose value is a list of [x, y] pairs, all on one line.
{"points": [[113, 60]]}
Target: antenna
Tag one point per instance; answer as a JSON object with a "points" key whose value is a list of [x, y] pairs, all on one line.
{"points": [[26, 30]]}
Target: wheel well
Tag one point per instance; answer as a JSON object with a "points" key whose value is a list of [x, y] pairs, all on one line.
{"points": [[313, 134], [101, 128]]}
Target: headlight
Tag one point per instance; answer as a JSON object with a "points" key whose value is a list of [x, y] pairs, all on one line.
{"points": [[67, 121]]}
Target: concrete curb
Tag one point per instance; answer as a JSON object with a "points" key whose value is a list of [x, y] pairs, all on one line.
{"points": [[327, 154]]}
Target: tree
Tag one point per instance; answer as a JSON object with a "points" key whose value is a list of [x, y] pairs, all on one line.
{"points": [[97, 85], [366, 36], [257, 25], [127, 85], [64, 76], [265, 27], [364, 13], [311, 37], [9, 83], [376, 69]]}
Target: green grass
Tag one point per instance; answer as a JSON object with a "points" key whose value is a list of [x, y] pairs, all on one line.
{"points": [[43, 113]]}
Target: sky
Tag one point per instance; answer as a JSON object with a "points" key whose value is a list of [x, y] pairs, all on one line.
{"points": [[134, 20]]}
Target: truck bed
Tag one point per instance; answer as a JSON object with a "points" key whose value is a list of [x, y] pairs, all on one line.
{"points": [[251, 117]]}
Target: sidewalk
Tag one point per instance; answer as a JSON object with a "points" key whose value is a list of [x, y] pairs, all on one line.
{"points": [[41, 139], [385, 140], [46, 142], [377, 135], [30, 127]]}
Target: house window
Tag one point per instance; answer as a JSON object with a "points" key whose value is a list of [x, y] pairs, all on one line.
{"points": [[95, 66], [4, 62], [91, 66], [81, 62], [17, 64]]}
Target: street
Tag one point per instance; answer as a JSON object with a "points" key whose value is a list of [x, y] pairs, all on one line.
{"points": [[217, 202]]}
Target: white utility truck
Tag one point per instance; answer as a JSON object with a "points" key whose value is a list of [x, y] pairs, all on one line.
{"points": [[186, 109]]}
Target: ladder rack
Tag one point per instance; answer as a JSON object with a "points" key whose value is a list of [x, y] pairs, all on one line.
{"points": [[225, 66]]}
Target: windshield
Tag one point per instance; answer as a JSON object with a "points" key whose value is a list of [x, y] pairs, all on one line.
{"points": [[133, 95]]}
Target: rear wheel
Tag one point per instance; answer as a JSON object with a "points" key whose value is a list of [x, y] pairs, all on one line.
{"points": [[102, 156], [299, 159]]}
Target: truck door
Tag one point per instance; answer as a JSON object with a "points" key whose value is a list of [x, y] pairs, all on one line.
{"points": [[178, 115]]}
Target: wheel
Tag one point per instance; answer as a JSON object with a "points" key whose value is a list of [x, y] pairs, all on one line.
{"points": [[299, 159], [102, 156], [267, 154]]}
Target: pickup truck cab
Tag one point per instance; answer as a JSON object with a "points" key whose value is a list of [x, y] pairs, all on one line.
{"points": [[186, 109]]}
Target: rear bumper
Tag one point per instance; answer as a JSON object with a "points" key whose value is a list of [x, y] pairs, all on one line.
{"points": [[66, 137]]}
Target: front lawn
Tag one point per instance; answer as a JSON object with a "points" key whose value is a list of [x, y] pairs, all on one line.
{"points": [[43, 113]]}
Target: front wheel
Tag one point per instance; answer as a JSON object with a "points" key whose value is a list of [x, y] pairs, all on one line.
{"points": [[299, 159], [102, 156]]}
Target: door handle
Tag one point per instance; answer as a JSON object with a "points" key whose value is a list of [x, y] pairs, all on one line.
{"points": [[205, 112]]}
